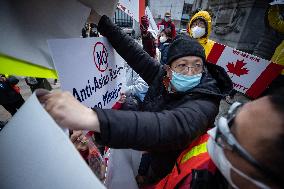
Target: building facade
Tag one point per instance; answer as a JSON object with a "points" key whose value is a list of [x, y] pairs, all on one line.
{"points": [[180, 10], [236, 23]]}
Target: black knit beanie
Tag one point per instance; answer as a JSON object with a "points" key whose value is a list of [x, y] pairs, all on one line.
{"points": [[184, 45]]}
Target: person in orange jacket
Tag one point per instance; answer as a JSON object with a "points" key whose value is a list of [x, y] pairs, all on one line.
{"points": [[240, 156]]}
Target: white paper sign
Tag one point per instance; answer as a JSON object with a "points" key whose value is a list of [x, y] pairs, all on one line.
{"points": [[36, 154], [26, 25], [90, 69], [161, 27]]}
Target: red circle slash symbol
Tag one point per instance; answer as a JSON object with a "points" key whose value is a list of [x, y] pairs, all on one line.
{"points": [[100, 56]]}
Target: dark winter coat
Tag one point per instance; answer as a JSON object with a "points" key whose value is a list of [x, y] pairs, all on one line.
{"points": [[164, 47], [148, 42], [167, 123], [40, 83], [7, 93]]}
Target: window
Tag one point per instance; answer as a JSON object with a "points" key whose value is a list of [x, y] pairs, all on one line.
{"points": [[122, 19]]}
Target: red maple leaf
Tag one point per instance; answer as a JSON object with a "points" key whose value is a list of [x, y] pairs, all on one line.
{"points": [[238, 68]]}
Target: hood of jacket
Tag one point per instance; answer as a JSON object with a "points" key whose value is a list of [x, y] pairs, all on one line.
{"points": [[204, 15]]}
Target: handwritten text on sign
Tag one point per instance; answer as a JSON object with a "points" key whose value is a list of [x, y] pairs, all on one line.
{"points": [[250, 74], [100, 56], [90, 69], [96, 83]]}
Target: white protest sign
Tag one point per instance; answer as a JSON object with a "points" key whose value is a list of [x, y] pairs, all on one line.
{"points": [[152, 24], [130, 7], [36, 153], [161, 28], [250, 74], [90, 69]]}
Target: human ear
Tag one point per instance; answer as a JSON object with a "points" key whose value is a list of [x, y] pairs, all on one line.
{"points": [[168, 70]]}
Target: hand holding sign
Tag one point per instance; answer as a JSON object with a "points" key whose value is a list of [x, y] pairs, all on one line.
{"points": [[50, 162], [70, 113]]}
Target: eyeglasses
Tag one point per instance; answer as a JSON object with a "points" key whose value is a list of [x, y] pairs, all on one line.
{"points": [[183, 68], [226, 140]]}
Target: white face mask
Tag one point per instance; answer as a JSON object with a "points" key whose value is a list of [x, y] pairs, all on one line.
{"points": [[218, 157], [163, 39], [197, 32]]}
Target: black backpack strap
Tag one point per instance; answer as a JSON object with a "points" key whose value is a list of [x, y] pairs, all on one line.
{"points": [[204, 179]]}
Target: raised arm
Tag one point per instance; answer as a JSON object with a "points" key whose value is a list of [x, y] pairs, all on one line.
{"points": [[129, 50]]}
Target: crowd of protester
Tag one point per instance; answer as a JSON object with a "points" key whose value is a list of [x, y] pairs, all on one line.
{"points": [[169, 108]]}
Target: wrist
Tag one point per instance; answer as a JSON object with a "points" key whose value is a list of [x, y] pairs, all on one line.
{"points": [[92, 121]]}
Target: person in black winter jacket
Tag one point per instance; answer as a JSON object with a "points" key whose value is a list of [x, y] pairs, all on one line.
{"points": [[181, 103], [38, 83], [10, 98], [165, 41]]}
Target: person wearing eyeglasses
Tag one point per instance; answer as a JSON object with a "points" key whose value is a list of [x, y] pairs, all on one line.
{"points": [[246, 147], [181, 103], [247, 144]]}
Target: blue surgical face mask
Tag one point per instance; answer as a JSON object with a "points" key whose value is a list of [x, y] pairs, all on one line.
{"points": [[167, 19], [183, 83]]}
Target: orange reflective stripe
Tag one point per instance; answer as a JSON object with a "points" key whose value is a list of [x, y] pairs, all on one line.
{"points": [[194, 157], [195, 151]]}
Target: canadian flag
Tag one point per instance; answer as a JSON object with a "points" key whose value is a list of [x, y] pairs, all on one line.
{"points": [[250, 74]]}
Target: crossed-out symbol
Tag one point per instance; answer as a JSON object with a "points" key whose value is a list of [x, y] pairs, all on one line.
{"points": [[100, 56]]}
